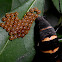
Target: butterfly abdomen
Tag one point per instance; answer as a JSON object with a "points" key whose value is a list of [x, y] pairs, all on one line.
{"points": [[48, 39]]}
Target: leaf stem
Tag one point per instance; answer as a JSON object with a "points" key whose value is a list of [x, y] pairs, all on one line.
{"points": [[4, 47]]}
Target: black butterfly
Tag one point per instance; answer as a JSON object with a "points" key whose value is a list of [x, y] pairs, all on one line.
{"points": [[47, 45]]}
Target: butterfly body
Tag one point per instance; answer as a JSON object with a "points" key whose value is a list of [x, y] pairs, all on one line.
{"points": [[47, 40]]}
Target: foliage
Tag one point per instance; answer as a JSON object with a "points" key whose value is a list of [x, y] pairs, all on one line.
{"points": [[21, 49]]}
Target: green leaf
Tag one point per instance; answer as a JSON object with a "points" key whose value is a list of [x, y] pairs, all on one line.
{"points": [[61, 5], [5, 6], [20, 49], [58, 5], [17, 3]]}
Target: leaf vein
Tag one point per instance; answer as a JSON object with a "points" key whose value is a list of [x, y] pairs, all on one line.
{"points": [[4, 47], [31, 5]]}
